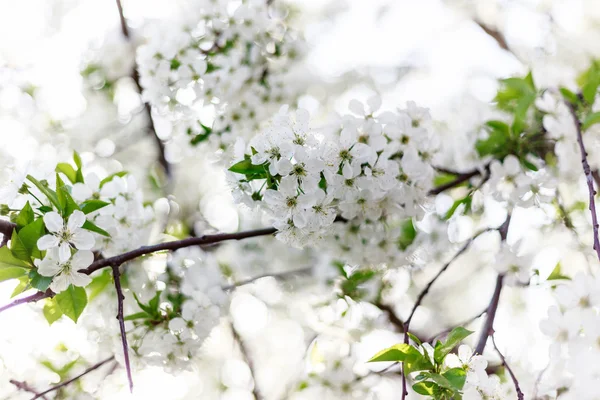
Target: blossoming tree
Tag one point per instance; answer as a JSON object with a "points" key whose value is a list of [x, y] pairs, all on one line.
{"points": [[252, 245]]}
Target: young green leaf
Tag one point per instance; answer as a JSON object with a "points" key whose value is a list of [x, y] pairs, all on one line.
{"points": [[18, 248], [77, 159], [111, 177], [425, 388], [30, 235], [397, 352], [90, 226], [7, 259], [22, 286], [454, 338], [556, 274], [25, 217], [90, 206], [39, 282], [72, 301], [11, 273], [68, 171], [590, 120], [456, 377], [52, 311], [46, 191]]}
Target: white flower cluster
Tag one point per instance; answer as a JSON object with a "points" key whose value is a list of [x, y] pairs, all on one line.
{"points": [[574, 328], [375, 168], [126, 218], [196, 306], [221, 75], [478, 385]]}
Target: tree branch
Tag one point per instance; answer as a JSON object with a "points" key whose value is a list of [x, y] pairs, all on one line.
{"points": [[494, 34], [87, 371], [512, 375], [247, 360], [448, 330], [589, 177], [393, 318], [29, 299], [461, 177], [136, 79], [6, 229], [488, 328], [26, 388], [120, 298], [175, 245]]}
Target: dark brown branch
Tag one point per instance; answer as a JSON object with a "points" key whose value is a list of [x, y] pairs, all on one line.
{"points": [[488, 328], [425, 291], [461, 177], [87, 371], [588, 177], [512, 375], [246, 356], [120, 298], [175, 245], [29, 299], [495, 34], [6, 229], [392, 317], [136, 79], [26, 388]]}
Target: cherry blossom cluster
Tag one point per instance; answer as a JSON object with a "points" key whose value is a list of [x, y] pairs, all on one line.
{"points": [[573, 325], [371, 169], [191, 305], [62, 218], [478, 384], [221, 74]]}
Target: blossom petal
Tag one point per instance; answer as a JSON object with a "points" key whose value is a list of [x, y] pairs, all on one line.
{"points": [[47, 242], [79, 279], [53, 221], [82, 259], [76, 220], [83, 239], [81, 192], [64, 252], [60, 283]]}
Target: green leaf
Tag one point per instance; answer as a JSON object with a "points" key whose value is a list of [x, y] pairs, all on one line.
{"points": [[397, 352], [52, 311], [408, 233], [39, 282], [590, 80], [72, 301], [25, 217], [454, 338], [569, 96], [245, 167], [425, 388], [11, 273], [68, 171], [590, 120], [60, 192], [465, 200], [18, 248], [98, 284], [92, 205], [456, 377], [8, 260], [556, 274], [499, 126], [90, 226], [441, 381], [30, 235], [111, 177], [77, 159], [139, 315], [414, 339], [152, 307], [46, 191], [21, 287]]}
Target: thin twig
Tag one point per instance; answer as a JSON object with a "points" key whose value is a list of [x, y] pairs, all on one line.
{"points": [[247, 360], [448, 330], [120, 298], [588, 177], [136, 79], [29, 299], [276, 275], [392, 317], [459, 180], [87, 371], [495, 34], [491, 314], [512, 375], [441, 271], [26, 388]]}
